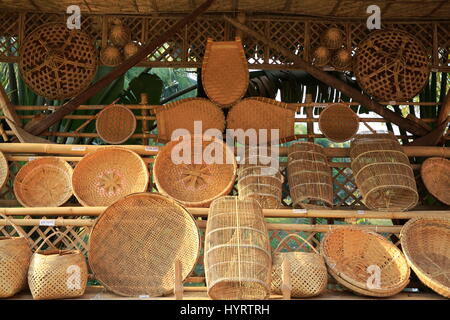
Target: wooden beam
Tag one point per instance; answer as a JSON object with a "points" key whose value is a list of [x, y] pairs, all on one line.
{"points": [[93, 89], [328, 79], [431, 139]]}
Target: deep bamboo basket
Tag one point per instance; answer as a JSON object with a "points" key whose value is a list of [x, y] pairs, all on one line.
{"points": [[136, 241], [435, 174], [383, 173], [350, 253], [45, 182], [237, 250], [425, 245], [4, 170], [115, 124], [338, 122], [309, 176]]}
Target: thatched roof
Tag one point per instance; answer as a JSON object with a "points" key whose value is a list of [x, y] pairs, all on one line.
{"points": [[428, 9]]}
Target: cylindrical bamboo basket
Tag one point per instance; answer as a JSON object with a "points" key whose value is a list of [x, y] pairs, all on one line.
{"points": [[237, 250], [115, 124], [435, 174], [4, 170], [309, 176], [338, 122], [383, 173]]}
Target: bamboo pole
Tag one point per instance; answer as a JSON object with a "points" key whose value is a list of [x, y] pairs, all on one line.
{"points": [[70, 159]]}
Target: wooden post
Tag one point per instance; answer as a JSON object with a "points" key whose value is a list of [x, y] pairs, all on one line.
{"points": [[309, 116], [286, 285], [178, 287]]}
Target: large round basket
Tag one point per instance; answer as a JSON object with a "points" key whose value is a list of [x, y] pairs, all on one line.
{"points": [[391, 65], [183, 171], [136, 241], [435, 174], [115, 124], [365, 262], [225, 71], [237, 250], [45, 182], [425, 245], [108, 174], [4, 170], [182, 114], [56, 62], [338, 122], [383, 173]]}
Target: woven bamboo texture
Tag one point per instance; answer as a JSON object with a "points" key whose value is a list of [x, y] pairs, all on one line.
{"points": [[435, 174], [425, 245], [262, 113], [45, 182], [111, 56], [119, 34], [115, 124], [135, 243], [225, 74], [237, 250], [333, 38], [309, 176], [321, 56], [194, 181], [350, 253], [383, 173], [392, 65], [342, 59], [57, 274], [182, 114], [338, 122], [57, 63], [4, 170], [108, 174], [308, 271]]}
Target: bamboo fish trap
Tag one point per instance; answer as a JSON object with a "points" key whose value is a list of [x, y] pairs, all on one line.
{"points": [[225, 74], [237, 250]]}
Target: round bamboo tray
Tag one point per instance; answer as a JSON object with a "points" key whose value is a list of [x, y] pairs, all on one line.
{"points": [[183, 113], [136, 241], [195, 183], [425, 245], [237, 250], [45, 182], [338, 122], [353, 254], [4, 170], [56, 62], [435, 174], [115, 124], [225, 74], [108, 174]]}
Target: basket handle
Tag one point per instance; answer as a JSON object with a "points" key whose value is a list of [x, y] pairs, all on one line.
{"points": [[299, 237], [55, 233], [19, 230]]}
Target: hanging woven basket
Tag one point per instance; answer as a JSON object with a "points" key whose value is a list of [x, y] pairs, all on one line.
{"points": [[4, 170], [119, 34], [56, 62], [321, 56], [333, 38], [342, 59], [130, 49], [435, 174], [111, 56], [115, 124], [225, 74], [45, 182], [338, 122]]}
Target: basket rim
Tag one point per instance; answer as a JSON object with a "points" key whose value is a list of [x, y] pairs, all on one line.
{"points": [[429, 162], [4, 164], [103, 111]]}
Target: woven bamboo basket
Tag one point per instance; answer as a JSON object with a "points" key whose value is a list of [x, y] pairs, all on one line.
{"points": [[115, 124], [130, 49], [57, 274], [119, 34], [194, 180], [111, 56], [338, 122], [309, 176], [136, 241], [383, 173], [4, 170], [342, 59], [321, 56], [225, 74], [15, 254], [353, 254], [262, 113], [183, 113], [425, 245], [45, 182], [108, 174], [333, 38], [52, 49], [237, 250], [435, 174], [308, 271]]}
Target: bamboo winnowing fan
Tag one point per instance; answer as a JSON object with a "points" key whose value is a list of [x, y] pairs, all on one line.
{"points": [[225, 71]]}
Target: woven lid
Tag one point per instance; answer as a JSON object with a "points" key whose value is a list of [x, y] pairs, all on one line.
{"points": [[108, 174], [45, 182], [56, 62], [4, 170], [436, 177], [135, 242], [115, 124], [338, 122]]}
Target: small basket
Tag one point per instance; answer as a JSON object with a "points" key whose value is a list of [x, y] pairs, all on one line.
{"points": [[45, 182], [342, 59], [321, 56], [4, 170], [111, 56], [353, 257], [57, 274], [338, 122], [119, 34], [425, 245], [435, 174], [308, 271], [115, 124], [108, 174], [333, 38], [130, 49]]}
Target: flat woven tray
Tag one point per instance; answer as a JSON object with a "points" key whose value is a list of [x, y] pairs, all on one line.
{"points": [[435, 174], [115, 124]]}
